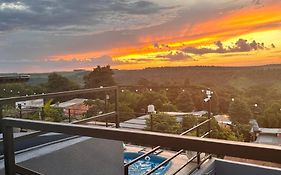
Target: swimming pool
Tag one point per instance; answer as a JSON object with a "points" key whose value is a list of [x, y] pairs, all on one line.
{"points": [[145, 164]]}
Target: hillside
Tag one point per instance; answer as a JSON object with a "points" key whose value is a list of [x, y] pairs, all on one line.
{"points": [[237, 77]]}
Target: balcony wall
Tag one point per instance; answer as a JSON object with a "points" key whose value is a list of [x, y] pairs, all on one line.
{"points": [[224, 167]]}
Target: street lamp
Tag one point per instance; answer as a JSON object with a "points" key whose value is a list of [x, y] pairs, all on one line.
{"points": [[207, 99]]}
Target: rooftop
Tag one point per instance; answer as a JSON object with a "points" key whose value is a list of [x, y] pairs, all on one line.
{"points": [[75, 101]]}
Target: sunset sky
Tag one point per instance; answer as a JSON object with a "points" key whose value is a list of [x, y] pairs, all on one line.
{"points": [[60, 35]]}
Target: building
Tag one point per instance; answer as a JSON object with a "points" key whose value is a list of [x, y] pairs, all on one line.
{"points": [[139, 122], [270, 136], [38, 103], [223, 120], [13, 78], [74, 107]]}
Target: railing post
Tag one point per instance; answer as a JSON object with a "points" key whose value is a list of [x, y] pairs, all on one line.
{"points": [[42, 113], [126, 170], [151, 122], [69, 115], [9, 154], [198, 153], [1, 116], [116, 107], [209, 116]]}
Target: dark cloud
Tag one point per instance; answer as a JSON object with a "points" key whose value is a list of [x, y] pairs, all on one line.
{"points": [[141, 60], [159, 46], [241, 45], [176, 56], [68, 15], [139, 7]]}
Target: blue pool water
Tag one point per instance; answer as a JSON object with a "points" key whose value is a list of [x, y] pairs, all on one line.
{"points": [[145, 164]]}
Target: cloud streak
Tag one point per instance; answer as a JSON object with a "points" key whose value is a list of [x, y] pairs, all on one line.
{"points": [[241, 45]]}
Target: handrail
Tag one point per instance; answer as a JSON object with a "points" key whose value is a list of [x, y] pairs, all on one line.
{"points": [[197, 155], [164, 162], [37, 133], [56, 94], [142, 156], [184, 165], [195, 127], [196, 167], [214, 146], [206, 134], [105, 115]]}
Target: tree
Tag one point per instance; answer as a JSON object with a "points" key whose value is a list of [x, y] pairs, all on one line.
{"points": [[130, 98], [186, 82], [58, 83], [224, 133], [184, 102], [272, 117], [154, 98], [163, 123], [168, 107], [125, 112], [100, 76], [239, 112], [143, 82], [188, 122], [96, 107], [51, 113]]}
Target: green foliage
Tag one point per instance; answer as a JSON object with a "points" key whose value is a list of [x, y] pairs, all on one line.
{"points": [[186, 82], [126, 112], [188, 122], [223, 133], [163, 123], [272, 116], [143, 82], [154, 98], [167, 107], [58, 83], [184, 102], [131, 99], [242, 132], [19, 89], [240, 112], [100, 76], [51, 113], [96, 107]]}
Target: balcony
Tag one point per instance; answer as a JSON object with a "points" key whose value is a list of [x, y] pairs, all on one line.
{"points": [[76, 153]]}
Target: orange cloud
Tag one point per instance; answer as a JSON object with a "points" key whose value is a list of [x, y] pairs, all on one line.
{"points": [[228, 26]]}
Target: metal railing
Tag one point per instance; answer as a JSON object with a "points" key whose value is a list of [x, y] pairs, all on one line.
{"points": [[12, 100], [199, 161], [175, 142]]}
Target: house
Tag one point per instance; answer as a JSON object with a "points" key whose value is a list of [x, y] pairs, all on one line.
{"points": [[73, 107], [223, 120], [38, 103], [139, 122], [270, 136]]}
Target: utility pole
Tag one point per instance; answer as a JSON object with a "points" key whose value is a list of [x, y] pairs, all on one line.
{"points": [[207, 99]]}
